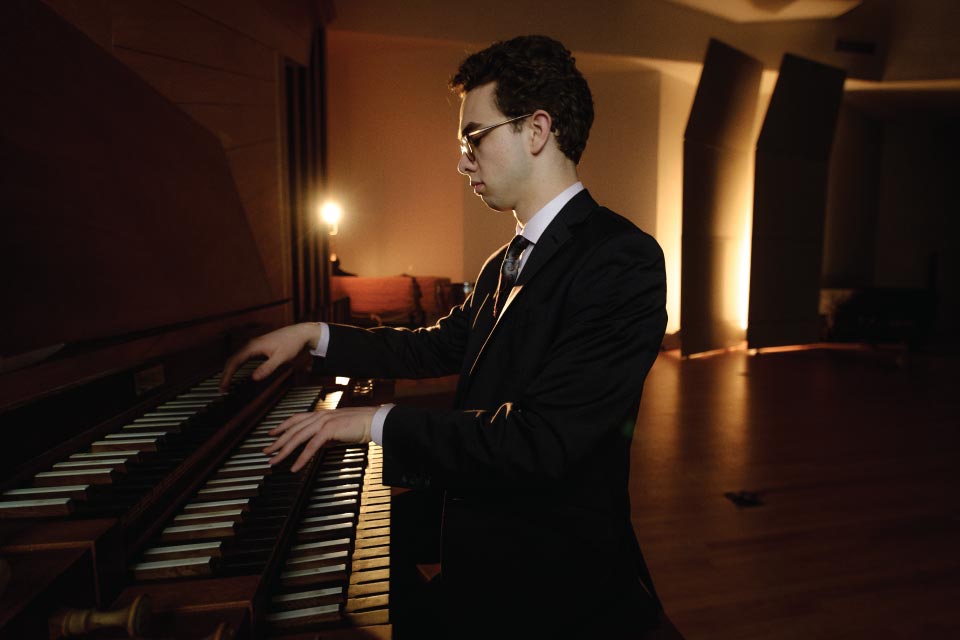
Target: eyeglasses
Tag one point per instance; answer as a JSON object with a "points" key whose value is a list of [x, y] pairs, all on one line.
{"points": [[467, 140]]}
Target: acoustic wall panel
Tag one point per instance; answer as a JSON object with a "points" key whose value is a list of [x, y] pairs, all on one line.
{"points": [[790, 195], [121, 205], [716, 164]]}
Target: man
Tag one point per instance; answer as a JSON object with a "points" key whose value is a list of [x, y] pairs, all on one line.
{"points": [[534, 458]]}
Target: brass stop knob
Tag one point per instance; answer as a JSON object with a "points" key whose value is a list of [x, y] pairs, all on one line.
{"points": [[79, 622]]}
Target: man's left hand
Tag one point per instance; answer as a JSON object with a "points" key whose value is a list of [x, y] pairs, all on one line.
{"points": [[351, 424]]}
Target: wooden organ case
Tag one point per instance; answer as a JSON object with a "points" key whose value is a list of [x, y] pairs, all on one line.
{"points": [[134, 499]]}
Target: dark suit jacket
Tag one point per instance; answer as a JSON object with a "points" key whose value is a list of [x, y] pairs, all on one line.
{"points": [[535, 458]]}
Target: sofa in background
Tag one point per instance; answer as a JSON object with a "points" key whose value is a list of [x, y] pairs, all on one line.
{"points": [[400, 301]]}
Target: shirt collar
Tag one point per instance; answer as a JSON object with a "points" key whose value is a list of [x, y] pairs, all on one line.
{"points": [[541, 219]]}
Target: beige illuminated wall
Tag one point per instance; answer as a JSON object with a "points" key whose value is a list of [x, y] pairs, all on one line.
{"points": [[392, 154], [676, 98], [619, 166]]}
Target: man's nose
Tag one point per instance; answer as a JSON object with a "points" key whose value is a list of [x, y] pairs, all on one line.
{"points": [[465, 166]]}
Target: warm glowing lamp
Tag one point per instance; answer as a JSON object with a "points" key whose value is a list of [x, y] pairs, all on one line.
{"points": [[330, 213]]}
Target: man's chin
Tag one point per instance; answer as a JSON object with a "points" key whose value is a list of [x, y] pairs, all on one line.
{"points": [[493, 204]]}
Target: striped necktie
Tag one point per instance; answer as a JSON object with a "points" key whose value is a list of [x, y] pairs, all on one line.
{"points": [[508, 271]]}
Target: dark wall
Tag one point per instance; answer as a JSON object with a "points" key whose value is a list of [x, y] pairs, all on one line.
{"points": [[850, 231], [893, 210]]}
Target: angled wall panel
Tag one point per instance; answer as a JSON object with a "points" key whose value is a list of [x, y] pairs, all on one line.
{"points": [[790, 194], [716, 164]]}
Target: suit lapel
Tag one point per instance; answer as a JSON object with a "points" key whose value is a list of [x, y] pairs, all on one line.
{"points": [[557, 233]]}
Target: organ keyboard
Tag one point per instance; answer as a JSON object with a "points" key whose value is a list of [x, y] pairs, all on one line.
{"points": [[131, 459], [178, 509], [338, 567], [235, 517]]}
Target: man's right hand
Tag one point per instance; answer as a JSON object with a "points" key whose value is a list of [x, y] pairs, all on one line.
{"points": [[282, 345]]}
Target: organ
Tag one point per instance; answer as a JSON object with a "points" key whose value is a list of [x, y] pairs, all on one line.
{"points": [[177, 513], [134, 499]]}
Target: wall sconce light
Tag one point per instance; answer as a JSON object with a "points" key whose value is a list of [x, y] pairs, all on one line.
{"points": [[330, 213]]}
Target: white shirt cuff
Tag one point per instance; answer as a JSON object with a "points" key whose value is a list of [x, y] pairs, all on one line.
{"points": [[376, 427], [322, 342]]}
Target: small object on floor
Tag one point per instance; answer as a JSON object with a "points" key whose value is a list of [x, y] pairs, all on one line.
{"points": [[744, 498]]}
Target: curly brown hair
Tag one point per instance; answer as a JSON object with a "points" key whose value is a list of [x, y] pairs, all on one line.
{"points": [[534, 72]]}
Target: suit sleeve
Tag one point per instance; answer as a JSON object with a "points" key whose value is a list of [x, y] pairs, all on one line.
{"points": [[387, 352], [584, 395]]}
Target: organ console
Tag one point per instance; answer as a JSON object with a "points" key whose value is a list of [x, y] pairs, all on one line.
{"points": [[135, 500]]}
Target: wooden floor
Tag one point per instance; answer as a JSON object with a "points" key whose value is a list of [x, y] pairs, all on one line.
{"points": [[856, 458]]}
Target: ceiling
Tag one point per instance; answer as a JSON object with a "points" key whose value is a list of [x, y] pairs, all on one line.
{"points": [[742, 11], [905, 100]]}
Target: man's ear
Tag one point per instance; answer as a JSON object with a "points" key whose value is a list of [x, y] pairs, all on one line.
{"points": [[540, 126]]}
